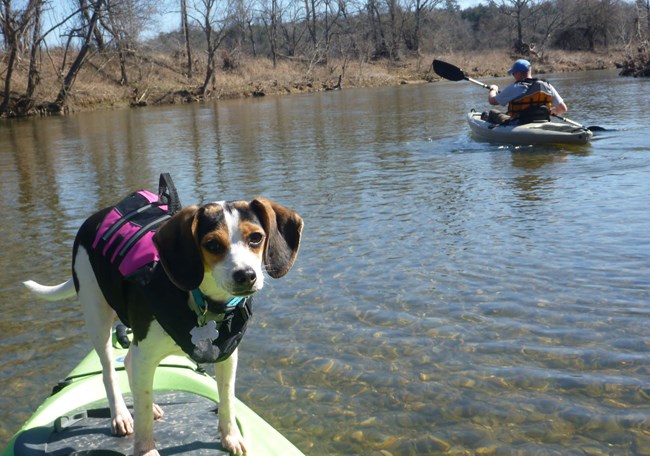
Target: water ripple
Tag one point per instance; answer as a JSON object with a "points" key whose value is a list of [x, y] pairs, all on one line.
{"points": [[450, 296]]}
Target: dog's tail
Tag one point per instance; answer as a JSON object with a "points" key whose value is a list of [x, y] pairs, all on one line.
{"points": [[52, 293]]}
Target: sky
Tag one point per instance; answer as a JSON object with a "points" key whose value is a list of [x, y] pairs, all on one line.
{"points": [[58, 9]]}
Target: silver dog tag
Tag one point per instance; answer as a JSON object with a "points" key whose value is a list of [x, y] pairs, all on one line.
{"points": [[208, 331]]}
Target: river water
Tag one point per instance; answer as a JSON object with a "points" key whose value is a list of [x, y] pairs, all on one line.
{"points": [[450, 295]]}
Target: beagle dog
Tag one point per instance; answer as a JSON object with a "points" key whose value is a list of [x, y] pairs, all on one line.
{"points": [[210, 258]]}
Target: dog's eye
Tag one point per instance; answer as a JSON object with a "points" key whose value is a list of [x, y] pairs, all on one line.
{"points": [[213, 246], [255, 239]]}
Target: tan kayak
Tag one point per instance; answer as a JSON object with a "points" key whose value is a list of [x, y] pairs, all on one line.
{"points": [[541, 132]]}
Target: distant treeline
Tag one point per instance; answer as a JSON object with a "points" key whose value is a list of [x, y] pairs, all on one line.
{"points": [[217, 33]]}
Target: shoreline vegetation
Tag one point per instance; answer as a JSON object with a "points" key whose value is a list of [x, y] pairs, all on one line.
{"points": [[77, 55], [161, 80]]}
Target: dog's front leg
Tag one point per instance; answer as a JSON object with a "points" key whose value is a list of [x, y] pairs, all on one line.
{"points": [[142, 368], [231, 437], [158, 412]]}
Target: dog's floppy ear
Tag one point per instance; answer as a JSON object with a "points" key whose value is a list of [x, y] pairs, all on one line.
{"points": [[178, 249], [283, 230]]}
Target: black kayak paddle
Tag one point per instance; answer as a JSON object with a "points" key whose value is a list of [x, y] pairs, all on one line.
{"points": [[453, 73]]}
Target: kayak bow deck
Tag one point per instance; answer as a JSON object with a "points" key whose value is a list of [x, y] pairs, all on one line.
{"points": [[75, 419], [544, 132]]}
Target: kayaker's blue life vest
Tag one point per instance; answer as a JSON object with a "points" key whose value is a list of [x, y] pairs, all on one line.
{"points": [[125, 239], [538, 95]]}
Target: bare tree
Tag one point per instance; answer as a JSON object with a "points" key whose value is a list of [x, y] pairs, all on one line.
{"points": [[346, 30], [643, 11], [14, 23], [386, 23], [311, 31], [310, 18], [97, 34], [271, 17], [520, 11], [68, 81], [550, 19], [377, 29], [37, 38], [33, 77], [251, 34], [415, 9], [395, 23], [213, 18], [124, 21], [595, 24], [245, 21], [185, 26], [333, 15], [116, 22]]}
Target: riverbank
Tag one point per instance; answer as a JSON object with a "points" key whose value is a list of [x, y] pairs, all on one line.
{"points": [[160, 79]]}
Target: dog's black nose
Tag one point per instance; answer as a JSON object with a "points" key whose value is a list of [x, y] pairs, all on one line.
{"points": [[245, 277]]}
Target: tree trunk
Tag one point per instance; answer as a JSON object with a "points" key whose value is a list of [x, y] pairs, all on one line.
{"points": [[11, 61], [273, 32], [377, 31], [122, 53], [33, 78], [209, 76], [418, 20], [9, 33], [99, 39], [69, 79], [186, 34], [310, 19], [251, 37], [210, 69], [394, 30]]}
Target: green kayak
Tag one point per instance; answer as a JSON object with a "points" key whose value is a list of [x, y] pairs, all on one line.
{"points": [[75, 419]]}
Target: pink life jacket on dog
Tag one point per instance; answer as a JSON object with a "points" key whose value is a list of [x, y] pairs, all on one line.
{"points": [[125, 236]]}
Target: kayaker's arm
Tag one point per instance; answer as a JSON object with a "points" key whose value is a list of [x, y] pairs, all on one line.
{"points": [[559, 109], [494, 89], [559, 106]]}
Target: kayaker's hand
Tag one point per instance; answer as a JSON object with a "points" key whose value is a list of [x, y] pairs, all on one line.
{"points": [[494, 90]]}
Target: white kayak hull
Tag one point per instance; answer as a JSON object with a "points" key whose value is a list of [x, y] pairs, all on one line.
{"points": [[531, 133]]}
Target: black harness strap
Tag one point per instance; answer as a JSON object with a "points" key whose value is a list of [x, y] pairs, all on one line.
{"points": [[137, 236], [123, 221]]}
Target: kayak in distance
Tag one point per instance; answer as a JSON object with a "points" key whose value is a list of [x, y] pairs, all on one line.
{"points": [[538, 132], [75, 419]]}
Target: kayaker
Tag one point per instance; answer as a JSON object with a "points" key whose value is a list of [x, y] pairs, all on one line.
{"points": [[527, 98]]}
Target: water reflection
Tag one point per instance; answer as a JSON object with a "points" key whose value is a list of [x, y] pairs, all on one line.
{"points": [[450, 295]]}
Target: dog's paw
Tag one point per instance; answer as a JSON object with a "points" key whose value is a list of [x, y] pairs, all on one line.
{"points": [[152, 452], [122, 423], [233, 441], [157, 412]]}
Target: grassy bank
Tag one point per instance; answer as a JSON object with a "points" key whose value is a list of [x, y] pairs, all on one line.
{"points": [[160, 79]]}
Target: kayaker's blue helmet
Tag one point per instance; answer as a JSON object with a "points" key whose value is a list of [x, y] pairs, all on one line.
{"points": [[521, 65]]}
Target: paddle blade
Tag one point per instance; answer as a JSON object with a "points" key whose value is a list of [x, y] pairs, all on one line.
{"points": [[448, 71]]}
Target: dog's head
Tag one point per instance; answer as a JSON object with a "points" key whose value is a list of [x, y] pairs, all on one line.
{"points": [[229, 241]]}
